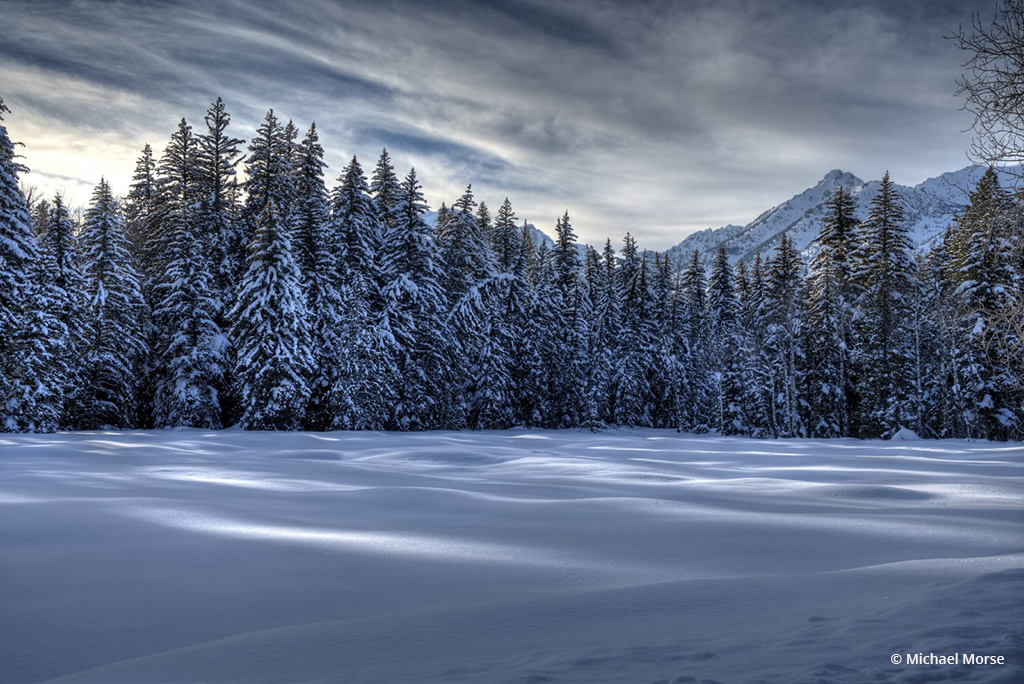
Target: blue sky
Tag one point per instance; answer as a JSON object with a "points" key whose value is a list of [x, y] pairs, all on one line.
{"points": [[658, 118]]}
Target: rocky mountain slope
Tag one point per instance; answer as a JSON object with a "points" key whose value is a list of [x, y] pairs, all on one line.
{"points": [[930, 208]]}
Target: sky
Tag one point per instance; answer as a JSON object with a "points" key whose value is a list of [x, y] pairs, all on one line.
{"points": [[654, 117]]}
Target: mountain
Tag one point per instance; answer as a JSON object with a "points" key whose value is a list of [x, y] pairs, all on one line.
{"points": [[929, 206]]}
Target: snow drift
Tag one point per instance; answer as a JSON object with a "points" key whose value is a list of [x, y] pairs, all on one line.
{"points": [[518, 556]]}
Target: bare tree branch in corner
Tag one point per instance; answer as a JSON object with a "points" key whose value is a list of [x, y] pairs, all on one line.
{"points": [[994, 84]]}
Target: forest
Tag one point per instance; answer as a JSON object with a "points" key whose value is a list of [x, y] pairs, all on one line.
{"points": [[232, 286]]}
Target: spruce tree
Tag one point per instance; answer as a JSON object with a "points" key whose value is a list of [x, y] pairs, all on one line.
{"points": [[318, 255], [723, 336], [632, 398], [466, 257], [505, 238], [356, 226], [415, 310], [40, 356], [569, 385], [541, 348], [830, 320], [17, 253], [480, 322], [483, 223], [115, 305], [61, 249], [139, 206], [189, 345], [597, 360], [607, 315], [664, 370], [219, 154], [39, 214], [747, 339], [443, 214], [760, 390], [33, 341], [386, 190], [526, 260], [695, 412], [268, 168], [271, 331], [984, 266], [883, 272], [364, 390], [784, 342]]}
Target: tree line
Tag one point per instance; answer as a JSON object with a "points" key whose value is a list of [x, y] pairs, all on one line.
{"points": [[234, 287]]}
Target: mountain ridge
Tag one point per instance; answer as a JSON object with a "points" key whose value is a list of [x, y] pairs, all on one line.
{"points": [[930, 207]]}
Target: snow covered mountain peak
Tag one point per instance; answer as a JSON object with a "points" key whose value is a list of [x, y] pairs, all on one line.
{"points": [[930, 208], [838, 177]]}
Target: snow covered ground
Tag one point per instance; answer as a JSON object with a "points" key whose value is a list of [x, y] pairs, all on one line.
{"points": [[519, 556]]}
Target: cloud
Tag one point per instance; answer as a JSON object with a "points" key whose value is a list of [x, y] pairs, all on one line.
{"points": [[655, 117]]}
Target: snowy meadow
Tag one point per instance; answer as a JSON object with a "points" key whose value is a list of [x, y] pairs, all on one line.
{"points": [[633, 555]]}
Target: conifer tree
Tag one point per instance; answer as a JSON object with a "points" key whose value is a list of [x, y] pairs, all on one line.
{"points": [[271, 330], [663, 371], [480, 320], [541, 348], [596, 366], [115, 305], [747, 341], [443, 214], [40, 355], [477, 295], [386, 191], [415, 310], [984, 266], [466, 257], [483, 223], [268, 168], [62, 265], [39, 214], [139, 206], [218, 155], [365, 389], [569, 384], [883, 273], [189, 343], [32, 339], [17, 252], [505, 238], [632, 391], [760, 390], [692, 328], [290, 150], [526, 261], [143, 226], [318, 255], [784, 341], [830, 320], [356, 226], [727, 377], [16, 222], [607, 319]]}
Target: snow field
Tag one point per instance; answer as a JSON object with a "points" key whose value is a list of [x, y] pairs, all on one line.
{"points": [[516, 556]]}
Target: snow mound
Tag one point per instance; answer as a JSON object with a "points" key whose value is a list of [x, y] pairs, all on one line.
{"points": [[905, 434]]}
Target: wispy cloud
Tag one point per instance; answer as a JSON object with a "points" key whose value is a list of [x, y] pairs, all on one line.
{"points": [[654, 117]]}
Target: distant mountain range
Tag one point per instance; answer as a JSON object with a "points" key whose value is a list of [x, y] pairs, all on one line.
{"points": [[930, 207]]}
